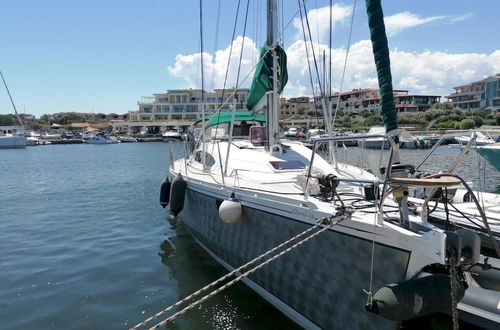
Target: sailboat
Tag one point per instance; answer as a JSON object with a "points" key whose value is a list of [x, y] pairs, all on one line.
{"points": [[14, 139], [352, 254]]}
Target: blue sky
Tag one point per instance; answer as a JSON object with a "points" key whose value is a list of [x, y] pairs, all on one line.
{"points": [[103, 56]]}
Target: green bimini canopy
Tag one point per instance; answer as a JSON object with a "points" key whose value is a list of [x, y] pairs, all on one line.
{"points": [[262, 81], [226, 117]]}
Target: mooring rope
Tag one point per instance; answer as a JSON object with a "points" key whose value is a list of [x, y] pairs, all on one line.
{"points": [[239, 278], [320, 223]]}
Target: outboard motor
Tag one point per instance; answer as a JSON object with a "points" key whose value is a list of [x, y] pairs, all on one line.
{"points": [[165, 192], [177, 193]]}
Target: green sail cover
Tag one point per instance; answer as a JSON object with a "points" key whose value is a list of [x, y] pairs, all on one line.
{"points": [[262, 81], [226, 117], [382, 63]]}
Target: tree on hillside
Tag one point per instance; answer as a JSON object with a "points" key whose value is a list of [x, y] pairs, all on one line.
{"points": [[443, 106], [478, 121], [44, 119], [69, 118], [467, 124], [8, 120], [411, 119], [373, 120], [301, 111]]}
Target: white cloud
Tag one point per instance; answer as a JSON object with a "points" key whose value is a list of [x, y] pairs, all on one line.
{"points": [[421, 73], [396, 23], [427, 72], [319, 18], [187, 67]]}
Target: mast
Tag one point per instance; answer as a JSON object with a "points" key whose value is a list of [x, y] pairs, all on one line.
{"points": [[270, 77], [12, 101], [382, 63], [273, 98]]}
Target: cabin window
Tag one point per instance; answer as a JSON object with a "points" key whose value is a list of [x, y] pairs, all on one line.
{"points": [[258, 135], [288, 165], [209, 160]]}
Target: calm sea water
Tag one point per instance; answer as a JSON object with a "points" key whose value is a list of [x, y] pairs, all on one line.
{"points": [[84, 243]]}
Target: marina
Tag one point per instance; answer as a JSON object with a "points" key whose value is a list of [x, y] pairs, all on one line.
{"points": [[108, 253], [304, 176]]}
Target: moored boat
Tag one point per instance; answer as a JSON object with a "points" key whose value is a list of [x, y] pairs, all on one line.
{"points": [[375, 142], [13, 140], [172, 135], [99, 138], [480, 139], [345, 239]]}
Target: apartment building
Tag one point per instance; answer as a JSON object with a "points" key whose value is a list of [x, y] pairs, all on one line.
{"points": [[292, 106], [479, 95], [186, 104], [368, 99]]}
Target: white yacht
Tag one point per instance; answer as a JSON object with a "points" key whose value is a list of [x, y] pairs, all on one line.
{"points": [[172, 135], [375, 142], [12, 139], [127, 139], [99, 138], [481, 139], [295, 132]]}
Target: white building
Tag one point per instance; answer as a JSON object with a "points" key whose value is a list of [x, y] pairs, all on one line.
{"points": [[178, 109], [368, 99], [186, 104], [479, 95]]}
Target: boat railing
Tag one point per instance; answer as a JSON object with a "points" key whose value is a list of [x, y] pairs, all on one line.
{"points": [[317, 142], [440, 141]]}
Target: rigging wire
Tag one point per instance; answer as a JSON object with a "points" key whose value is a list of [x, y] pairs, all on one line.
{"points": [[330, 45], [222, 100], [231, 49], [312, 48], [242, 45], [217, 25], [345, 63], [307, 56], [202, 83]]}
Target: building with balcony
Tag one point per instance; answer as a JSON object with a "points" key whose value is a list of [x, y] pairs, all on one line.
{"points": [[179, 109], [368, 99], [186, 104], [479, 95], [294, 106]]}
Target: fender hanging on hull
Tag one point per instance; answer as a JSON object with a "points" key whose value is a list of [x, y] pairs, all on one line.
{"points": [[177, 194], [165, 192]]}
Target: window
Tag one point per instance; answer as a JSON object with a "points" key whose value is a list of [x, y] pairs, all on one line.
{"points": [[288, 165], [209, 160]]}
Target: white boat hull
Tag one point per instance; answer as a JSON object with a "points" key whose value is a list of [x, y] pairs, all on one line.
{"points": [[8, 142], [376, 144]]}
